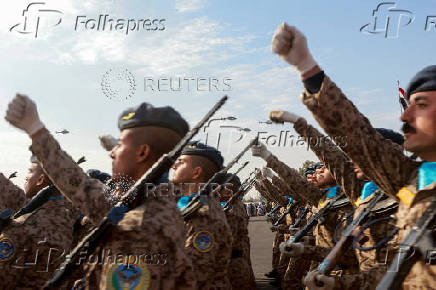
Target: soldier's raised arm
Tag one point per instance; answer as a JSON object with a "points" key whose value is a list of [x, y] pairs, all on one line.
{"points": [[306, 191], [11, 196], [327, 152], [382, 161], [87, 194]]}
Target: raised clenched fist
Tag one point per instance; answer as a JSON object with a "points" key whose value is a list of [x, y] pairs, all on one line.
{"points": [[291, 45], [22, 114], [283, 116]]}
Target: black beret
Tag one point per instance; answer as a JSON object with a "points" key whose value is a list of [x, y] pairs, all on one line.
{"points": [[233, 178], [200, 149], [147, 115], [423, 81], [318, 165], [391, 135], [309, 170]]}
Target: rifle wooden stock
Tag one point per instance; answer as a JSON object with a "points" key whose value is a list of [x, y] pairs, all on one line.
{"points": [[135, 194], [338, 251]]}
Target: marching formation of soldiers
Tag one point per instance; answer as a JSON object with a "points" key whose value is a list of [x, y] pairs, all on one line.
{"points": [[361, 218]]}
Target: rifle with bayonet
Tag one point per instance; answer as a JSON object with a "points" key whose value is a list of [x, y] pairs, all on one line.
{"points": [[331, 260], [131, 199], [245, 186], [228, 179], [311, 223], [417, 245], [218, 178]]}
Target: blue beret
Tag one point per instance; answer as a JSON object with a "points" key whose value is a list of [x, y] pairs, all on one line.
{"points": [[423, 81], [147, 115], [391, 135], [200, 149]]}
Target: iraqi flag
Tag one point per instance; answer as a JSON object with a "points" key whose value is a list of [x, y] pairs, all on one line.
{"points": [[402, 98]]}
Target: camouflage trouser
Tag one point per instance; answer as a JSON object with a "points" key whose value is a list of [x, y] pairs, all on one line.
{"points": [[283, 265], [276, 251], [296, 271], [240, 276]]}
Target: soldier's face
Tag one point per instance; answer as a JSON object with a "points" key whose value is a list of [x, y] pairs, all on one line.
{"points": [[420, 131], [323, 177], [124, 156], [228, 190], [358, 171], [309, 178], [183, 170], [34, 180]]}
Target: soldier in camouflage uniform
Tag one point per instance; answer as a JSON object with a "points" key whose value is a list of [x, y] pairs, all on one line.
{"points": [[146, 247], [409, 181], [296, 268], [358, 189], [208, 236], [34, 244], [240, 272], [316, 196], [263, 185]]}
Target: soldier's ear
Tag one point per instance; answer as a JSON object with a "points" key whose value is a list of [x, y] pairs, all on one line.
{"points": [[143, 153], [42, 178], [197, 172]]}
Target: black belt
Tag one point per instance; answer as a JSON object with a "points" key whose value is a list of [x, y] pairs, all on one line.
{"points": [[236, 254]]}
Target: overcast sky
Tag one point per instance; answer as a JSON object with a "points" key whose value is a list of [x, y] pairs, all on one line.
{"points": [[222, 46]]}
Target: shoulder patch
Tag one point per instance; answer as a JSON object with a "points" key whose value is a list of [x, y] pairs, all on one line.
{"points": [[128, 276], [7, 249], [203, 241]]}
